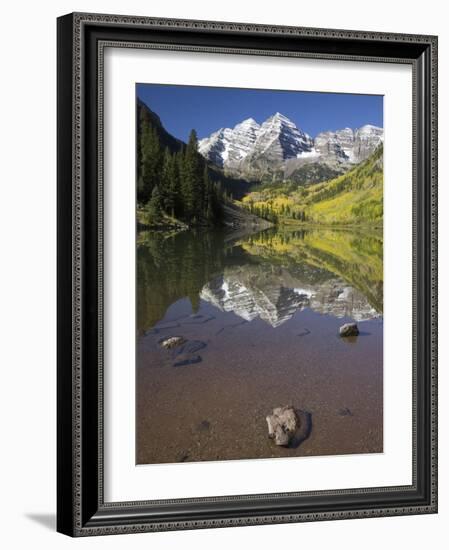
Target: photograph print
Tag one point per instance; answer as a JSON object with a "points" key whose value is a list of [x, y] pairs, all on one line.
{"points": [[259, 274]]}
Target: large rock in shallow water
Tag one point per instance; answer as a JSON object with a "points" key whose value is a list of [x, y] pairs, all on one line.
{"points": [[349, 329], [282, 425]]}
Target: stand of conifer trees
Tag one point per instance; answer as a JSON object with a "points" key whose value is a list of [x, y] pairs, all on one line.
{"points": [[268, 212], [176, 184]]}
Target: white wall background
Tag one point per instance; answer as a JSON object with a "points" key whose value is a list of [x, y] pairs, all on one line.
{"points": [[28, 283]]}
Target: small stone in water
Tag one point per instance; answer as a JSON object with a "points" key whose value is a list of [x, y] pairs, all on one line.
{"points": [[349, 329], [172, 342]]}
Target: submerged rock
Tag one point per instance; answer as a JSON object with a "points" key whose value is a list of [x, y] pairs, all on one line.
{"points": [[186, 353], [172, 342], [345, 412], [349, 329], [282, 425], [183, 361], [204, 426]]}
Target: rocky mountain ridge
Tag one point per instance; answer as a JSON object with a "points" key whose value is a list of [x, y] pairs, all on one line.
{"points": [[279, 145]]}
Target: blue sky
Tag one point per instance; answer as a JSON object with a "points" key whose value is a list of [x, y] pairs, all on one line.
{"points": [[207, 109]]}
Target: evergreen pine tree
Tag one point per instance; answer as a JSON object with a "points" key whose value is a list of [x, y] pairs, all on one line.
{"points": [[164, 182], [173, 189], [192, 179], [209, 197], [151, 159], [179, 166], [154, 206]]}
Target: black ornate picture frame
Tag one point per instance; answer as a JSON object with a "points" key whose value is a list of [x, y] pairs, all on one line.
{"points": [[81, 509]]}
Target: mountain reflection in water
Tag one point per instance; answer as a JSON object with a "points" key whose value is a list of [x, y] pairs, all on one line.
{"points": [[268, 275]]}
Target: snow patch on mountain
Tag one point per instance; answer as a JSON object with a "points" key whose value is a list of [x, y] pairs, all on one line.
{"points": [[308, 154]]}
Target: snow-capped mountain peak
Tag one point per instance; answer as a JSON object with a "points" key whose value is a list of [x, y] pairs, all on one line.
{"points": [[279, 117], [247, 123], [230, 145], [278, 137]]}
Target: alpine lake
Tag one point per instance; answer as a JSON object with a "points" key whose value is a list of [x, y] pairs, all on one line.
{"points": [[259, 315]]}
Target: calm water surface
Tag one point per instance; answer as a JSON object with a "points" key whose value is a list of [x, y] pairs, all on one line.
{"points": [[260, 314]]}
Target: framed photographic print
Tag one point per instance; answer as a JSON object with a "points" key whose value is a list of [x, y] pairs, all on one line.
{"points": [[247, 281]]}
